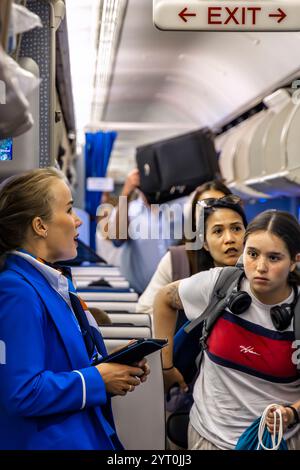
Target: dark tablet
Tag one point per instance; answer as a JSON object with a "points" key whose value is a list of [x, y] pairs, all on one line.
{"points": [[134, 352]]}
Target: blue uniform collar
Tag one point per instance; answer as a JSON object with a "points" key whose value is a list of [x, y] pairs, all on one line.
{"points": [[56, 307]]}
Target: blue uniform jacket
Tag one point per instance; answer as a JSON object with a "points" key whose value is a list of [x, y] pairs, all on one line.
{"points": [[40, 394]]}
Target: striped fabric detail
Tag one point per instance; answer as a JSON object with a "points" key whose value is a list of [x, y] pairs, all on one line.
{"points": [[239, 344], [83, 388], [82, 302]]}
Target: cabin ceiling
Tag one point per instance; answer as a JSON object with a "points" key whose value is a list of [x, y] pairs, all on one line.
{"points": [[166, 83]]}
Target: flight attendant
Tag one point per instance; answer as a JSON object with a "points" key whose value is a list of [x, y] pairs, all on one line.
{"points": [[52, 395]]}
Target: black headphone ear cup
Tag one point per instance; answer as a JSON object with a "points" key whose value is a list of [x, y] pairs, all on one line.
{"points": [[281, 316], [239, 302]]}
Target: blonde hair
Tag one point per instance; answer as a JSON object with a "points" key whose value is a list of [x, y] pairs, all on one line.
{"points": [[22, 198]]}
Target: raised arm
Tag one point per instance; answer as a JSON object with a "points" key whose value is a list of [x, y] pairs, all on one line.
{"points": [[166, 304], [120, 217]]}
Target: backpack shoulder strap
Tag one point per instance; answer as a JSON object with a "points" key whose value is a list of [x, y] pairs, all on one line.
{"points": [[226, 282], [180, 263]]}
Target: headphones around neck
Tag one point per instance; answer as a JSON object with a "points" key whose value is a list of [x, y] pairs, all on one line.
{"points": [[281, 315]]}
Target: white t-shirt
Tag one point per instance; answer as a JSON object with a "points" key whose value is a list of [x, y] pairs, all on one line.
{"points": [[161, 277], [229, 397]]}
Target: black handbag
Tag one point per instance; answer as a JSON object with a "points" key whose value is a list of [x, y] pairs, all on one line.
{"points": [[175, 167]]}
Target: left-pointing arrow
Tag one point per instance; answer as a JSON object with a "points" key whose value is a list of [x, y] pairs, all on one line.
{"points": [[184, 13]]}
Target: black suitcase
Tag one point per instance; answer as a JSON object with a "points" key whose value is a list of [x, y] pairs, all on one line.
{"points": [[175, 167]]}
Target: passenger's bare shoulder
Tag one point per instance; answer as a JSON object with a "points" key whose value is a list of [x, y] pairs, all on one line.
{"points": [[173, 295]]}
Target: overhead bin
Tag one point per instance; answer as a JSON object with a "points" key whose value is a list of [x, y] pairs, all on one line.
{"points": [[255, 146], [255, 156], [228, 149], [276, 146], [241, 157], [228, 159], [273, 146], [291, 138], [260, 156]]}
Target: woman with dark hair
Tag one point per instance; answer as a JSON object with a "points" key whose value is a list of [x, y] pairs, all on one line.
{"points": [[248, 363], [185, 259], [54, 394]]}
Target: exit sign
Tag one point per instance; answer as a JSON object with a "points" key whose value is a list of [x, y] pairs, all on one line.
{"points": [[223, 15]]}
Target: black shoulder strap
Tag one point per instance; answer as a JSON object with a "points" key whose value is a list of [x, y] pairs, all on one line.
{"points": [[224, 286]]}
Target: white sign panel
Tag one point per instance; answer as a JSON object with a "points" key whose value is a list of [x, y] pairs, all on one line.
{"points": [[99, 184], [248, 15]]}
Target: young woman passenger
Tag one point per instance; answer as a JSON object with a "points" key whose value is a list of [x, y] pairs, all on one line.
{"points": [[193, 260], [51, 394], [248, 363]]}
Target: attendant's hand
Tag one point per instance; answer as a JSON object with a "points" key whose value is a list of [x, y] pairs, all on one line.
{"points": [[173, 376], [141, 364], [119, 378], [287, 418]]}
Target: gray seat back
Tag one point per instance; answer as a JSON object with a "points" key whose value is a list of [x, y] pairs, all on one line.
{"points": [[140, 415]]}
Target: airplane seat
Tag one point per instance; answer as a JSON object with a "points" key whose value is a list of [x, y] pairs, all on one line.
{"points": [[142, 319], [99, 294], [113, 306], [92, 272], [116, 331], [140, 415]]}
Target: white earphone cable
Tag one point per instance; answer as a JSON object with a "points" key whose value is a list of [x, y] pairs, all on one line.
{"points": [[277, 414]]}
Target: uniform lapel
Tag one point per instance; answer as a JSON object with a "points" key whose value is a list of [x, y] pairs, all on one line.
{"points": [[57, 309]]}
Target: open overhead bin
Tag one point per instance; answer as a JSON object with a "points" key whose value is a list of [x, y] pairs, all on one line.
{"points": [[233, 163], [274, 151]]}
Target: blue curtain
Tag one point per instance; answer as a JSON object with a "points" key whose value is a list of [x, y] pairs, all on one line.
{"points": [[98, 147]]}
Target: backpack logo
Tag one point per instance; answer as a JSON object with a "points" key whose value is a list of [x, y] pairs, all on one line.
{"points": [[248, 349]]}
